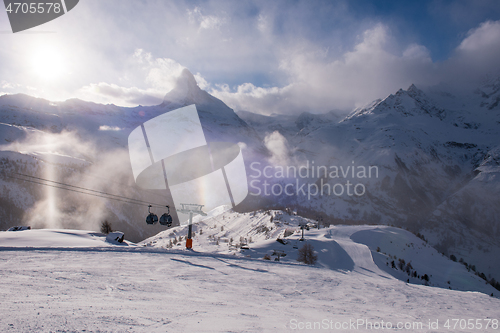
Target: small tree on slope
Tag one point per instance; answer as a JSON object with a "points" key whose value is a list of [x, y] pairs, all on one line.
{"points": [[106, 227], [306, 254]]}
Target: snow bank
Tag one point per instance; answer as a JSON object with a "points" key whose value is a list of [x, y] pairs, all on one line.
{"points": [[55, 238]]}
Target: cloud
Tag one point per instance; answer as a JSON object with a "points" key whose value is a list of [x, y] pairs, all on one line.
{"points": [[477, 56], [202, 82], [57, 208], [280, 150], [375, 67], [256, 56], [156, 76], [112, 93], [109, 128], [319, 84], [316, 80], [8, 85], [227, 43], [65, 143], [70, 158], [160, 72], [206, 22], [481, 38]]}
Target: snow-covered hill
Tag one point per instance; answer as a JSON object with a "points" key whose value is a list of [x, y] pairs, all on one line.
{"points": [[363, 249], [66, 280]]}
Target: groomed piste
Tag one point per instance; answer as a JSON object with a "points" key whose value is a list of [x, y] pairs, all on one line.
{"points": [[70, 280]]}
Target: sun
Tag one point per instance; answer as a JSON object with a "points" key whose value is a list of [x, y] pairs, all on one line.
{"points": [[48, 64]]}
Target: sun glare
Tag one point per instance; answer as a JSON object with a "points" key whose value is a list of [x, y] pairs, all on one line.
{"points": [[48, 63]]}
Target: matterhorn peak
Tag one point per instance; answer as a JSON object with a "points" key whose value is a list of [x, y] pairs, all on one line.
{"points": [[185, 90], [186, 81]]}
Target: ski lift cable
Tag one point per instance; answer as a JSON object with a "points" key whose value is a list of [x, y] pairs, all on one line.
{"points": [[88, 174], [83, 188], [129, 201], [96, 195]]}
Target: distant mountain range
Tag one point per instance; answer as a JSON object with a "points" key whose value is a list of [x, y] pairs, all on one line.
{"points": [[436, 154]]}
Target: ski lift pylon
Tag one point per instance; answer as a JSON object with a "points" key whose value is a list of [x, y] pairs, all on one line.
{"points": [[191, 209]]}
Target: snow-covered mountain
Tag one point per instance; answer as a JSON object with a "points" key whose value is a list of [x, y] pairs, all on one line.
{"points": [[85, 144], [290, 126], [110, 124], [435, 156], [220, 123]]}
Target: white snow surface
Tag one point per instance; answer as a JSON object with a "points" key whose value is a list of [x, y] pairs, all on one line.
{"points": [[342, 247], [55, 238], [69, 281]]}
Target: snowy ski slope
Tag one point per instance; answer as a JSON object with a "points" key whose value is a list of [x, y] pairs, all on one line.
{"points": [[68, 281]]}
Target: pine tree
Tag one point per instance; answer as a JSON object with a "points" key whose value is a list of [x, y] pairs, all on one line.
{"points": [[106, 227], [307, 255]]}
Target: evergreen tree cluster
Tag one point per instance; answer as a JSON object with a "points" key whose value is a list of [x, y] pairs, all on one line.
{"points": [[469, 267]]}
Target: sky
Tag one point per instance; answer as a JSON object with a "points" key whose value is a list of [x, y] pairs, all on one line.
{"points": [[265, 57]]}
